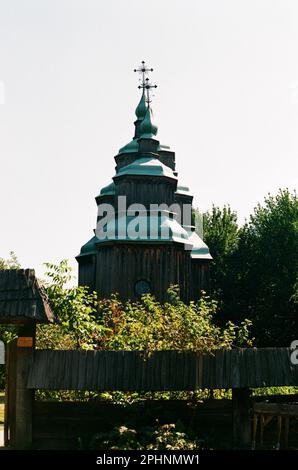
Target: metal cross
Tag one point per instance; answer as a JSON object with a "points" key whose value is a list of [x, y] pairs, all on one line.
{"points": [[145, 83]]}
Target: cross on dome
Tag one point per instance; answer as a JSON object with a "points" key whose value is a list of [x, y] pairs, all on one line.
{"points": [[145, 85]]}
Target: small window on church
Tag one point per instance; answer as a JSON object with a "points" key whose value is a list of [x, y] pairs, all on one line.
{"points": [[142, 286]]}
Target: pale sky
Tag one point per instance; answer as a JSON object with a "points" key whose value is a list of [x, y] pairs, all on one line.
{"points": [[226, 103]]}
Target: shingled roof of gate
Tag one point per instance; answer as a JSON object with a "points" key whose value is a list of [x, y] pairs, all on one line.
{"points": [[22, 298]]}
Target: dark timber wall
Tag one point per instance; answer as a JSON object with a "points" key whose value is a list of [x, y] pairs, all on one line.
{"points": [[70, 425], [87, 271], [161, 264], [147, 190]]}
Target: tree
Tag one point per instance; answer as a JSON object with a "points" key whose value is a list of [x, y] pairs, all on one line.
{"points": [[266, 263], [11, 263], [254, 268], [221, 235], [76, 309]]}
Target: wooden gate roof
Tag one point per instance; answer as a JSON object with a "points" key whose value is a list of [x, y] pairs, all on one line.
{"points": [[162, 370], [22, 298]]}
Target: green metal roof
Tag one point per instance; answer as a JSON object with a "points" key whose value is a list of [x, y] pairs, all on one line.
{"points": [[147, 128], [165, 229], [200, 250], [183, 190], [146, 166], [141, 108], [108, 190], [131, 147], [89, 248]]}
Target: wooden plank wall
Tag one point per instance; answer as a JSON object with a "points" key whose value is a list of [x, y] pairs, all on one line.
{"points": [[162, 264], [161, 370], [60, 425]]}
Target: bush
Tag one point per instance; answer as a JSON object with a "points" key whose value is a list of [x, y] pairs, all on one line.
{"points": [[160, 437], [91, 323], [150, 325]]}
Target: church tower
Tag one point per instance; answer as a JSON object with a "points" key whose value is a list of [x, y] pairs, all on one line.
{"points": [[144, 240]]}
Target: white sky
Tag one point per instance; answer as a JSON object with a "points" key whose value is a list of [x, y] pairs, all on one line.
{"points": [[227, 103]]}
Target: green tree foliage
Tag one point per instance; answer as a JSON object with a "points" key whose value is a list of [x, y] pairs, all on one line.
{"points": [[254, 272], [150, 325], [76, 309], [89, 322], [221, 235], [11, 263], [159, 437], [266, 268]]}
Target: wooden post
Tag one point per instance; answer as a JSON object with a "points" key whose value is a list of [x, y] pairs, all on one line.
{"points": [[7, 391], [18, 399], [10, 393], [241, 418], [24, 400], [19, 412]]}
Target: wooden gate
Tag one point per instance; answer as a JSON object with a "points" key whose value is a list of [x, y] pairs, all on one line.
{"points": [[237, 369]]}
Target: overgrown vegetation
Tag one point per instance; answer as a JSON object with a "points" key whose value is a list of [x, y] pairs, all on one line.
{"points": [[255, 268], [76, 308], [88, 322], [109, 324], [10, 263], [159, 437]]}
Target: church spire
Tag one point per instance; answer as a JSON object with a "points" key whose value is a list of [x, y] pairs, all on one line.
{"points": [[146, 128], [141, 108]]}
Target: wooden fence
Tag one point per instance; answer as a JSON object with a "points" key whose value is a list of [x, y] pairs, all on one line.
{"points": [[238, 369], [161, 370]]}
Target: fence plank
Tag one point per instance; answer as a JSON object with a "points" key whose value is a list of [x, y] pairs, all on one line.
{"points": [[161, 370]]}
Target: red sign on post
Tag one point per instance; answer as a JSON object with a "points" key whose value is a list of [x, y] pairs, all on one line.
{"points": [[25, 342]]}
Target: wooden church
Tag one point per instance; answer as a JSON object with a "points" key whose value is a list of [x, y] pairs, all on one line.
{"points": [[166, 249]]}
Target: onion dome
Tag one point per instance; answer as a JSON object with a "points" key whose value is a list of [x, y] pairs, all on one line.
{"points": [[141, 108], [147, 128]]}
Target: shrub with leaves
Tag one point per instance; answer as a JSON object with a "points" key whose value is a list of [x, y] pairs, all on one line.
{"points": [[76, 309], [150, 325], [160, 437], [11, 263], [89, 322], [167, 437]]}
